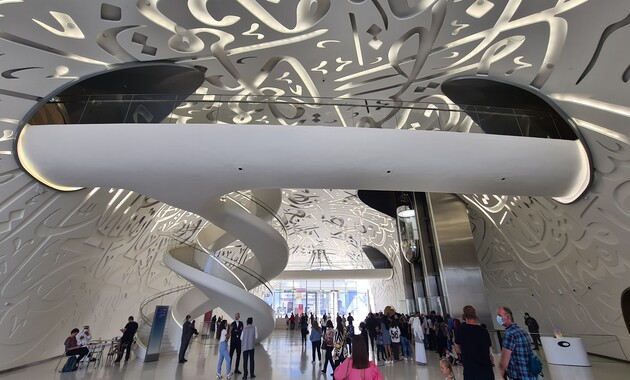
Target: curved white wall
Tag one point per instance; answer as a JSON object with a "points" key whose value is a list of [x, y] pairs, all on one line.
{"points": [[567, 265]]}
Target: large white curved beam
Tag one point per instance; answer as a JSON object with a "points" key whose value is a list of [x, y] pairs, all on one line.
{"points": [[190, 165]]}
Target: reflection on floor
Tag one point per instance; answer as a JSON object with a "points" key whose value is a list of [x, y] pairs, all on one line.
{"points": [[282, 356]]}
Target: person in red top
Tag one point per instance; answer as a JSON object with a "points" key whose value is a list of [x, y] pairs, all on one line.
{"points": [[73, 348], [358, 366]]}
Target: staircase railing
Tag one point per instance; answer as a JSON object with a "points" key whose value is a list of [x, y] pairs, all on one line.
{"points": [[145, 312]]}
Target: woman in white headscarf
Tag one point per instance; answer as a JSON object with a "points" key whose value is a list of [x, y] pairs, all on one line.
{"points": [[418, 334]]}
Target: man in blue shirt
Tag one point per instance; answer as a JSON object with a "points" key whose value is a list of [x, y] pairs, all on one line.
{"points": [[514, 362]]}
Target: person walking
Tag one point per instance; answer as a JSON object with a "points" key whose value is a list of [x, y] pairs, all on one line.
{"points": [[224, 337], [349, 334], [514, 362], [188, 330], [316, 341], [532, 326], [235, 340], [329, 345], [248, 340], [340, 351], [304, 328]]}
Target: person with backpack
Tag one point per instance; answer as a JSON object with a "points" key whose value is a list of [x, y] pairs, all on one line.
{"points": [[517, 352], [329, 345], [441, 335], [72, 349]]}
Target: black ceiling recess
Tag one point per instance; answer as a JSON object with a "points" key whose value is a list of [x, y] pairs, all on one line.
{"points": [[378, 259], [383, 201], [141, 93], [509, 109]]}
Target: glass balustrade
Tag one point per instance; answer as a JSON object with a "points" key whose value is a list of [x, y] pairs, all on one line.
{"points": [[437, 115]]}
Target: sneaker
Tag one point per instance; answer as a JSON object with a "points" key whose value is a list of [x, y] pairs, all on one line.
{"points": [[229, 375], [219, 376]]}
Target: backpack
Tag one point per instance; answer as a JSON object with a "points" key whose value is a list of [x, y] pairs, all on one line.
{"points": [[535, 366], [329, 338], [70, 364]]}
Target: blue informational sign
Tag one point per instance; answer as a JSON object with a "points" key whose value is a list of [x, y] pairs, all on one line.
{"points": [[157, 332]]}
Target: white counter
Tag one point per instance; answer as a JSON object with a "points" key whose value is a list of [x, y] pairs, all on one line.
{"points": [[565, 351]]}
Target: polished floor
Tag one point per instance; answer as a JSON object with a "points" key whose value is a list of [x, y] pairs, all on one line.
{"points": [[282, 356]]}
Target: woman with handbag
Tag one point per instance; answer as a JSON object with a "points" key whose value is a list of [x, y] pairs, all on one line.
{"points": [[358, 366]]}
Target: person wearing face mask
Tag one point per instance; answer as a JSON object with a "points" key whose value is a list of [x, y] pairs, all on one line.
{"points": [[514, 362]]}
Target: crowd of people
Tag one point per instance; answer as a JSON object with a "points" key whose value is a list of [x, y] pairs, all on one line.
{"points": [[391, 336], [76, 345], [241, 339], [457, 342]]}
